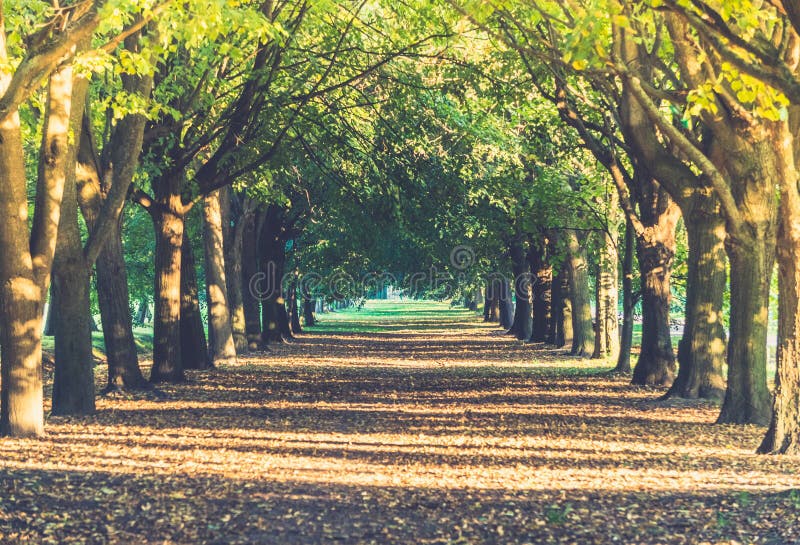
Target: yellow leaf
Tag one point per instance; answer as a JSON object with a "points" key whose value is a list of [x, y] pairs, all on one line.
{"points": [[579, 64]]}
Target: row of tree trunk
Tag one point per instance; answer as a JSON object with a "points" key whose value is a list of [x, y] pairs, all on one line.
{"points": [[249, 305], [553, 302]]}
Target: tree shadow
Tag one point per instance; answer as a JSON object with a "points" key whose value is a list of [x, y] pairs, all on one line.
{"points": [[120, 508]]}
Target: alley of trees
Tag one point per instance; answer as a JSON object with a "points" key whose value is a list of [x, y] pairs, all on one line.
{"points": [[202, 192]]}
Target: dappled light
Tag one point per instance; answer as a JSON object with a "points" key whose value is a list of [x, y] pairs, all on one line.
{"points": [[423, 272], [371, 436]]}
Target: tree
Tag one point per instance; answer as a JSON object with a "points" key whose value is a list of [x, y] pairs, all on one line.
{"points": [[762, 74], [29, 251], [220, 331]]}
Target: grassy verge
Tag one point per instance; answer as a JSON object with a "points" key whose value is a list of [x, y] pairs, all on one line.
{"points": [[143, 336]]}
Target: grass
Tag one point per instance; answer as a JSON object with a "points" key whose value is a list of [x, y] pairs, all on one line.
{"points": [[375, 317], [378, 316], [143, 336]]}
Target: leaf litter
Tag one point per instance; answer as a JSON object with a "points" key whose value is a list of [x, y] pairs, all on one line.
{"points": [[344, 438]]}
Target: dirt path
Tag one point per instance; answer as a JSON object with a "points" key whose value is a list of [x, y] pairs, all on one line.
{"points": [[420, 427]]}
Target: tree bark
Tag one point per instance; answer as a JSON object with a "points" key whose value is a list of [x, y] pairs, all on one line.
{"points": [[194, 350], [73, 380], [473, 300], [701, 350], [606, 340], [751, 255], [271, 328], [20, 337], [112, 297], [167, 360], [250, 303], [49, 323], [308, 311], [566, 308], [702, 345], [294, 314], [600, 338], [26, 264], [142, 311], [747, 399], [523, 318], [233, 242], [102, 193], [505, 304], [743, 158], [555, 332], [542, 275], [283, 319], [581, 311], [220, 333], [272, 258], [628, 303], [753, 159], [783, 434], [491, 304], [656, 363]]}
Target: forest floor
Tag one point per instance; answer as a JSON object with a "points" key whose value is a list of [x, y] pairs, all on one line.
{"points": [[408, 423]]}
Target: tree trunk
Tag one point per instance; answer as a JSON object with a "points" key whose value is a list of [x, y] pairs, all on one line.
{"points": [[73, 381], [308, 312], [600, 347], [783, 435], [606, 340], [220, 334], [272, 258], [491, 305], [505, 305], [523, 318], [283, 319], [656, 364], [115, 316], [233, 275], [20, 337], [494, 310], [167, 361], [628, 303], [542, 275], [102, 194], [49, 323], [750, 157], [747, 399], [701, 350], [142, 311], [753, 157], [270, 328], [555, 331], [581, 310], [250, 302], [28, 254], [194, 350], [294, 314], [473, 299]]}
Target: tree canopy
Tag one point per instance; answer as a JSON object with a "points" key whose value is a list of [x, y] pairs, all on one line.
{"points": [[196, 182]]}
